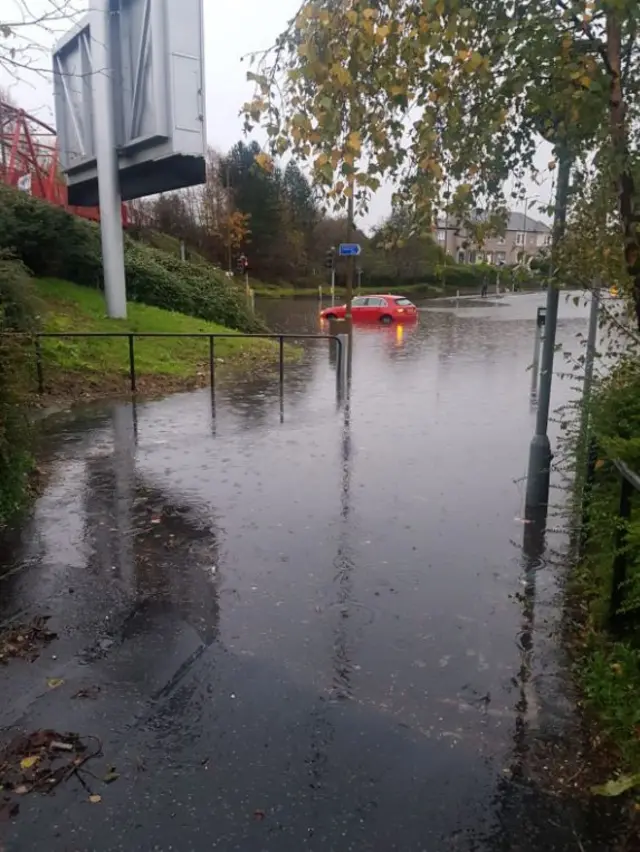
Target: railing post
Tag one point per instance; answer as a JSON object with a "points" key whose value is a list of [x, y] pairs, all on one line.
{"points": [[281, 342], [132, 364], [39, 368], [619, 572], [585, 508], [212, 368]]}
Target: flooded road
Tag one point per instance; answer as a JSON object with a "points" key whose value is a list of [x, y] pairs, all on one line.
{"points": [[310, 631]]}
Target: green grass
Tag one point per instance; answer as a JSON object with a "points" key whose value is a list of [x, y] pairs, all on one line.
{"points": [[69, 307]]}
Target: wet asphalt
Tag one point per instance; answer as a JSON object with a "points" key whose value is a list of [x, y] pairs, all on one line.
{"points": [[312, 626]]}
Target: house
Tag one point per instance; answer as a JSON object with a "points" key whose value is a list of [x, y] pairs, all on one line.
{"points": [[524, 238]]}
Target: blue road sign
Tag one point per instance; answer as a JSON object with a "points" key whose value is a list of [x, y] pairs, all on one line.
{"points": [[349, 250]]}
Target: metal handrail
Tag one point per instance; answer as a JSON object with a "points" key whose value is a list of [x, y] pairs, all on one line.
{"points": [[131, 336]]}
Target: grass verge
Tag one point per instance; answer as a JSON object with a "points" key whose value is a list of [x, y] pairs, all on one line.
{"points": [[98, 366]]}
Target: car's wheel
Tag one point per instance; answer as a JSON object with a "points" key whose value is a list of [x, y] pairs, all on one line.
{"points": [[330, 316], [385, 319]]}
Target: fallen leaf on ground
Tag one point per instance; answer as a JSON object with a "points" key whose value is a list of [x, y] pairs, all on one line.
{"points": [[617, 786], [54, 682], [28, 762], [259, 815], [95, 799], [111, 776], [21, 790]]}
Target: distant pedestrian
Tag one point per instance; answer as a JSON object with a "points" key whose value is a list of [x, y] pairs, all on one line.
{"points": [[485, 289]]}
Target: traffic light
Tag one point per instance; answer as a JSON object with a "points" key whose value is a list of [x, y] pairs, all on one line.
{"points": [[330, 258]]}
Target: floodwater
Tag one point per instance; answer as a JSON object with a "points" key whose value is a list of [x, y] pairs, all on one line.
{"points": [[313, 626]]}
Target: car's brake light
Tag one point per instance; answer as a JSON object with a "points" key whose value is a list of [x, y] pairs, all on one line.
{"points": [[400, 310]]}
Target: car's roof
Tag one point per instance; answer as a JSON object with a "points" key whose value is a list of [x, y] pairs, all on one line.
{"points": [[382, 296]]}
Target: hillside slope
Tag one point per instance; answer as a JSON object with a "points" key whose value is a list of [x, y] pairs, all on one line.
{"points": [[96, 366], [53, 243]]}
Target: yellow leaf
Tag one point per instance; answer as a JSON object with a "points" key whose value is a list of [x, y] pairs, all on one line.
{"points": [[397, 90], [382, 32], [551, 165], [369, 14], [54, 682], [475, 61], [28, 762], [463, 55], [352, 17], [585, 81], [354, 142], [95, 799]]}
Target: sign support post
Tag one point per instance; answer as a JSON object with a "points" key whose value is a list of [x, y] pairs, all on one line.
{"points": [[107, 162]]}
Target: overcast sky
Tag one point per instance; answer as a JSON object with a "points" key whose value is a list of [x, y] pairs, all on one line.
{"points": [[232, 28]]}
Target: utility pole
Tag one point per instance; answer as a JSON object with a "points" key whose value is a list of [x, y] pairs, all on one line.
{"points": [[107, 161], [228, 171], [351, 261], [537, 496]]}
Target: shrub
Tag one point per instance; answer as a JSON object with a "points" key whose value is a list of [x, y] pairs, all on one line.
{"points": [[17, 313], [56, 244]]}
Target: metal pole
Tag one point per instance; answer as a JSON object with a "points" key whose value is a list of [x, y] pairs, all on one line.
{"points": [[535, 367], [351, 261], [212, 369], [132, 364], [107, 161], [592, 338], [281, 347], [39, 369], [537, 496], [333, 285]]}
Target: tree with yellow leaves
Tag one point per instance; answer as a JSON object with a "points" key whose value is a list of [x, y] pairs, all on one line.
{"points": [[451, 98]]}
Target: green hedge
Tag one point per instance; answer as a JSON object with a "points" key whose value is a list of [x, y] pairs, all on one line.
{"points": [[53, 243], [18, 311]]}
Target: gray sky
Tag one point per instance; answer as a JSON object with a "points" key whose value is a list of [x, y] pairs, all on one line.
{"points": [[232, 28]]}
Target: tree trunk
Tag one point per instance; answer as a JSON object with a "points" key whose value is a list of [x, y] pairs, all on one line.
{"points": [[627, 201]]}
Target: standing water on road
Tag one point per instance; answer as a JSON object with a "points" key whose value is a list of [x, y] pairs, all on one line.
{"points": [[307, 632]]}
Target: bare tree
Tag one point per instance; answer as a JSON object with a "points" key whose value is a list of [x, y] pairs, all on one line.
{"points": [[28, 30]]}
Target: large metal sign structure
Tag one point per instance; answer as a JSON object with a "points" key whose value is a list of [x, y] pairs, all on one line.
{"points": [[129, 100]]}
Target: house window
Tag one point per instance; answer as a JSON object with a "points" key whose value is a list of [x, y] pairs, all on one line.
{"points": [[501, 257], [461, 256], [489, 257], [531, 239], [472, 257], [520, 239], [500, 240], [442, 236], [480, 257], [547, 239]]}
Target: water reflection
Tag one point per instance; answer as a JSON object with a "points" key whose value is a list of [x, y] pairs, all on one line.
{"points": [[328, 607]]}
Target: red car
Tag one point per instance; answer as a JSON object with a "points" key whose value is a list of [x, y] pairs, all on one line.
{"points": [[381, 309]]}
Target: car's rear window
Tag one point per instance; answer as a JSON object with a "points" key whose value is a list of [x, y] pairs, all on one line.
{"points": [[403, 302]]}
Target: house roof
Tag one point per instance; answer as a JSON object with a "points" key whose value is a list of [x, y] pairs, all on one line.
{"points": [[515, 222]]}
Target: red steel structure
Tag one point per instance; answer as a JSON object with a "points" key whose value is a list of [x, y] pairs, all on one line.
{"points": [[29, 160]]}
